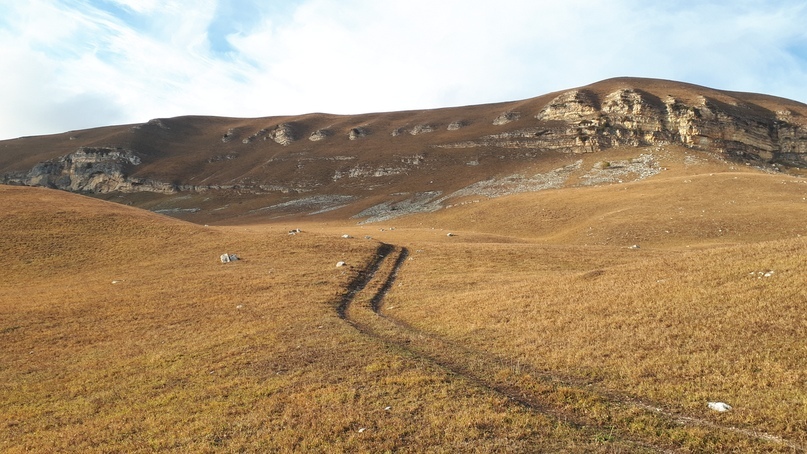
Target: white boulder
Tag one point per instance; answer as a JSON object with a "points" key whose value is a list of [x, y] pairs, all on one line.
{"points": [[227, 258], [719, 406]]}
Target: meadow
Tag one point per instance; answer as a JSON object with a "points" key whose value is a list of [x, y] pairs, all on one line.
{"points": [[596, 319], [122, 331]]}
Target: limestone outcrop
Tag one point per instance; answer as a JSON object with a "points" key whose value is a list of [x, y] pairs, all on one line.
{"points": [[637, 118], [506, 117], [455, 125], [357, 133], [421, 129], [283, 134], [580, 121], [319, 134], [96, 169]]}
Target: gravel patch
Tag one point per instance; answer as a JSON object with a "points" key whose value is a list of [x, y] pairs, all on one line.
{"points": [[317, 203]]}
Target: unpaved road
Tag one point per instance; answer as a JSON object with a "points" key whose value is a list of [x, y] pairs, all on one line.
{"points": [[362, 306]]}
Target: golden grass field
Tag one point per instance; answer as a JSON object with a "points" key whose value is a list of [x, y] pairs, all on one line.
{"points": [[535, 328]]}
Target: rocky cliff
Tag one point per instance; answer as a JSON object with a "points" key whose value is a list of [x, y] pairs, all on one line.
{"points": [[580, 121], [89, 169]]}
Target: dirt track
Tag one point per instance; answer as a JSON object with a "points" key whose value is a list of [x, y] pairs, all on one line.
{"points": [[540, 391]]}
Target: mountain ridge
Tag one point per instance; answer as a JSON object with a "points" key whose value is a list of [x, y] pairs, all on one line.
{"points": [[428, 154]]}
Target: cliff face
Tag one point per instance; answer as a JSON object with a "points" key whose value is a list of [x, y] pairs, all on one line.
{"points": [[636, 118], [90, 169], [580, 121]]}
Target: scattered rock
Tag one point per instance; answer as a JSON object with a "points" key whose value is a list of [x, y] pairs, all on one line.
{"points": [[454, 125], [319, 134], [506, 117], [177, 210], [421, 202], [227, 258], [357, 133], [261, 133], [227, 135], [317, 203], [340, 264], [421, 129], [719, 406], [283, 134], [158, 123], [223, 157], [346, 236], [636, 169], [294, 231]]}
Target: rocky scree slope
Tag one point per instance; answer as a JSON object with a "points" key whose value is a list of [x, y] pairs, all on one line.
{"points": [[320, 162]]}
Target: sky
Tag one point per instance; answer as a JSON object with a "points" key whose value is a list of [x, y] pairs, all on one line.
{"points": [[75, 64]]}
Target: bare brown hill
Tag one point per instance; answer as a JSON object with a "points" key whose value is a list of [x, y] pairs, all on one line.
{"points": [[379, 166]]}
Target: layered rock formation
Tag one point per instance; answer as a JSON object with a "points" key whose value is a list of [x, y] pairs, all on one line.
{"points": [[637, 118], [283, 134], [465, 147], [581, 121], [97, 170]]}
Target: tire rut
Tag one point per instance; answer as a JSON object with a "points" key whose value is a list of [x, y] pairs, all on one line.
{"points": [[476, 366], [360, 281]]}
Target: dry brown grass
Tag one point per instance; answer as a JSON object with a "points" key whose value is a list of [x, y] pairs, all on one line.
{"points": [[674, 331], [687, 320], [708, 204], [535, 331], [534, 328], [187, 354]]}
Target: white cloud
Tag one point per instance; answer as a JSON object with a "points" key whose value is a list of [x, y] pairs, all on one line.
{"points": [[140, 6], [71, 65]]}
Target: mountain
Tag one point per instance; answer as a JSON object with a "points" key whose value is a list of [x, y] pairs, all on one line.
{"points": [[382, 165]]}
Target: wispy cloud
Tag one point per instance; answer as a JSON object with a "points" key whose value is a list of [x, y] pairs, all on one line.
{"points": [[70, 64]]}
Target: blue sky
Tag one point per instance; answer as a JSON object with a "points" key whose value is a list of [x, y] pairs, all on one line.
{"points": [[73, 64]]}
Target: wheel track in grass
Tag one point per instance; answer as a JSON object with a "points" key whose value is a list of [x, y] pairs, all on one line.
{"points": [[537, 391]]}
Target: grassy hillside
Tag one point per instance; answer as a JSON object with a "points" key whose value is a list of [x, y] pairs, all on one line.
{"points": [[719, 207], [533, 327], [121, 331], [670, 330]]}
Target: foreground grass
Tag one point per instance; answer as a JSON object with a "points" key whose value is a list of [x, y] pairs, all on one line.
{"points": [[182, 353], [669, 329]]}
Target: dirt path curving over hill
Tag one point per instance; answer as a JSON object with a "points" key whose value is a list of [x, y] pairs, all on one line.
{"points": [[361, 306], [605, 414], [362, 278]]}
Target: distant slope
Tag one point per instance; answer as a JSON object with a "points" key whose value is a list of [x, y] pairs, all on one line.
{"points": [[681, 211], [381, 165]]}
